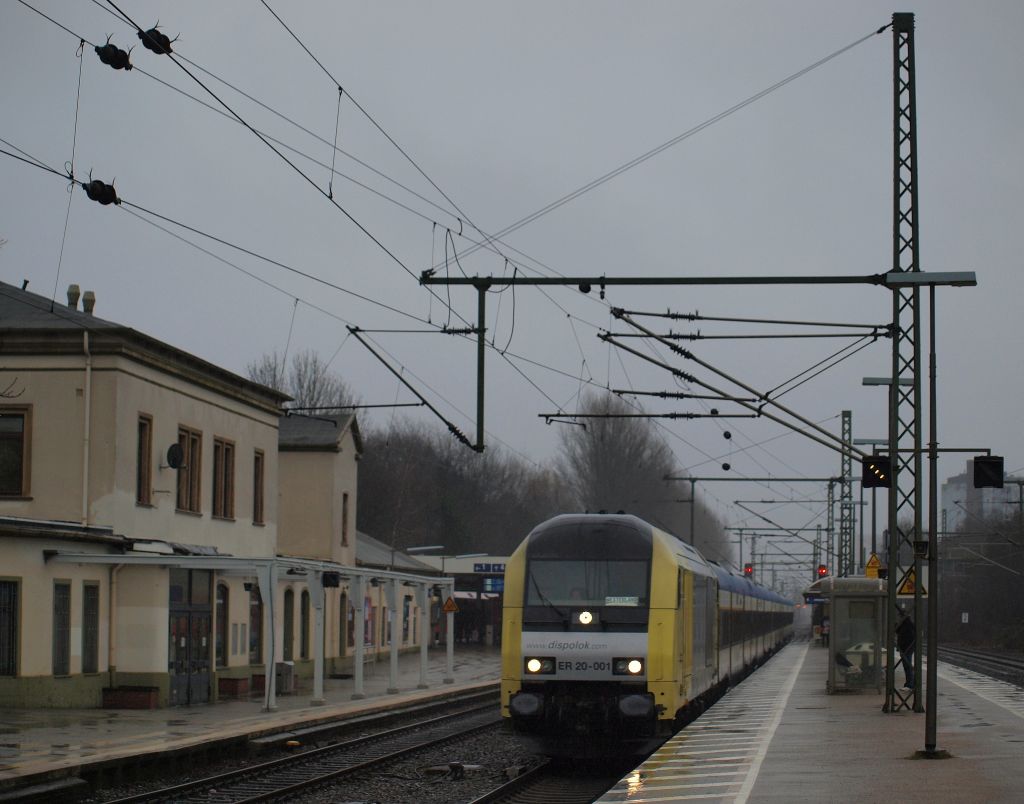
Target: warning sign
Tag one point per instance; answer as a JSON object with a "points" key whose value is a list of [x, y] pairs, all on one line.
{"points": [[908, 584], [450, 607], [872, 567]]}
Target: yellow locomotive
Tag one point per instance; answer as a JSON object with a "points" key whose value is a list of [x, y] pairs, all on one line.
{"points": [[616, 632]]}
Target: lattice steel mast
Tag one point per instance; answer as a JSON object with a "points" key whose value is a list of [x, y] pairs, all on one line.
{"points": [[905, 413]]}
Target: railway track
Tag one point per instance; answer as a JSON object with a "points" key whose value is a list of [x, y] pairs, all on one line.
{"points": [[1002, 666], [290, 775], [552, 783]]}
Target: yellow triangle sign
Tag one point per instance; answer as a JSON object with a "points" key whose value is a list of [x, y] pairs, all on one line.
{"points": [[872, 567], [450, 607], [908, 585]]}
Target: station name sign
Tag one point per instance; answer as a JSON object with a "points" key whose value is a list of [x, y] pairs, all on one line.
{"points": [[492, 568]]}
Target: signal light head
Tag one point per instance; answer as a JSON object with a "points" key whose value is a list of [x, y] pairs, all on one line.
{"points": [[748, 570], [876, 472], [822, 570]]}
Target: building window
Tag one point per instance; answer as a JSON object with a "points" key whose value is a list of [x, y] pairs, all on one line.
{"points": [[14, 426], [90, 628], [8, 628], [304, 625], [221, 635], [191, 443], [344, 519], [61, 628], [223, 478], [144, 462], [255, 626], [288, 619], [257, 488]]}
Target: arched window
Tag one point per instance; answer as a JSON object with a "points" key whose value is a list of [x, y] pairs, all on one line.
{"points": [[304, 625], [288, 619], [255, 626], [221, 633]]}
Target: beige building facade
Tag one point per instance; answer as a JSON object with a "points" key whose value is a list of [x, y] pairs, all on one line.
{"points": [[167, 537]]}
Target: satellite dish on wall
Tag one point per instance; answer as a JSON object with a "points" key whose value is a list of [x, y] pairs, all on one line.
{"points": [[175, 456]]}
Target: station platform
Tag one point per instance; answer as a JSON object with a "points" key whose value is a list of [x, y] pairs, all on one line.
{"points": [[38, 745], [779, 737]]}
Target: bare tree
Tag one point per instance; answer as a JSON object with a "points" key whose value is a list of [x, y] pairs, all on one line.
{"points": [[307, 380], [620, 464], [417, 486]]}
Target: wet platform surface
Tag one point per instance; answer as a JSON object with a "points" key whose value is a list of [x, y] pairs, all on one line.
{"points": [[41, 743], [779, 737]]}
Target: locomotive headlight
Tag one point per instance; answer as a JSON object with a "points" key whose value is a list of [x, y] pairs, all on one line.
{"points": [[586, 618], [539, 665], [628, 667]]}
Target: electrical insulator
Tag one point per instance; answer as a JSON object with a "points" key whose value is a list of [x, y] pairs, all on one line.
{"points": [[113, 56], [156, 41], [99, 191]]}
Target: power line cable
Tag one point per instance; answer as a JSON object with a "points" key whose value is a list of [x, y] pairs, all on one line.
{"points": [[129, 206], [71, 172], [362, 185], [606, 177], [37, 163], [380, 128], [281, 155]]}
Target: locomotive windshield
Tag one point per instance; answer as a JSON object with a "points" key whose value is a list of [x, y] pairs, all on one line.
{"points": [[569, 582]]}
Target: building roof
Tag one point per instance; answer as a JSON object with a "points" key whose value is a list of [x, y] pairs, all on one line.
{"points": [[372, 552], [58, 529], [299, 433], [32, 324]]}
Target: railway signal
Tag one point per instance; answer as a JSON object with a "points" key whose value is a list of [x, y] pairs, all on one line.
{"points": [[876, 472], [822, 570], [988, 472], [748, 570]]}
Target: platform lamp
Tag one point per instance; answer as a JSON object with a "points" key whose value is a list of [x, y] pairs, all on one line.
{"points": [[461, 555], [426, 548]]}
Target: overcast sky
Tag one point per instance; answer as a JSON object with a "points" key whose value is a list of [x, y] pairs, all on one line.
{"points": [[507, 107]]}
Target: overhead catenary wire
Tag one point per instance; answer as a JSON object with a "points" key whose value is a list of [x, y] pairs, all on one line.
{"points": [[30, 160], [287, 161], [241, 121], [384, 133], [838, 357], [71, 173], [317, 162], [275, 112], [129, 206], [629, 165], [616, 355]]}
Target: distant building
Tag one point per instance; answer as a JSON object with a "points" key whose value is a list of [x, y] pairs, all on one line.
{"points": [[963, 504]]}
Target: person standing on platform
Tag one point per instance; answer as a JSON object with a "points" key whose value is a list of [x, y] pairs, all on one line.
{"points": [[906, 641]]}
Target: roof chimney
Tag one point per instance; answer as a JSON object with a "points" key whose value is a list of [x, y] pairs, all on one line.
{"points": [[73, 294], [88, 301]]}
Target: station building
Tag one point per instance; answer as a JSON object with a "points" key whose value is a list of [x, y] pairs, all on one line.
{"points": [[167, 537]]}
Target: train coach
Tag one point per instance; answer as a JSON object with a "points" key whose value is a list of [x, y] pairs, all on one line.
{"points": [[616, 632]]}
